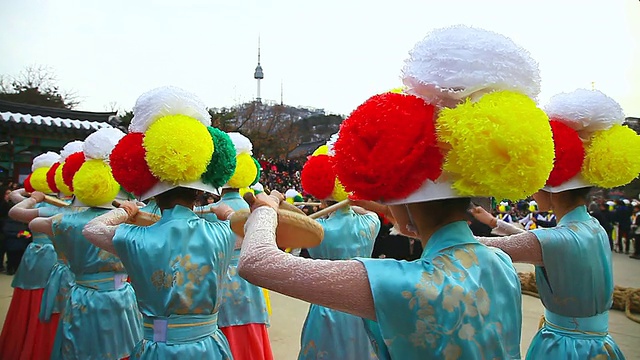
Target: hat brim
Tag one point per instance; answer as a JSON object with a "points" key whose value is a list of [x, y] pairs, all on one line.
{"points": [[122, 196], [577, 182], [162, 187], [429, 191]]}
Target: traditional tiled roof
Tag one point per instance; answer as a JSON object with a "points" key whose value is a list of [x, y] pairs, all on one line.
{"points": [[305, 149], [33, 110], [17, 118]]}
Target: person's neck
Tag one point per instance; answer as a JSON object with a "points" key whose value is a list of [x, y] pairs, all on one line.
{"points": [[427, 230], [229, 190], [561, 210], [187, 204]]}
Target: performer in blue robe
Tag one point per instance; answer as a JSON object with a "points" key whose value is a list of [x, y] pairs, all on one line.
{"points": [[417, 153], [348, 233], [574, 273], [177, 265], [329, 333]]}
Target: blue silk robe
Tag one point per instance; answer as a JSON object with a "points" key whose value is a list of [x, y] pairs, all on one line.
{"points": [[328, 333], [42, 267], [100, 319], [242, 302], [460, 300], [39, 257], [576, 288], [177, 267]]}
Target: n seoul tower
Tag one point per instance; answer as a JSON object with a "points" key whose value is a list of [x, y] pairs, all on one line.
{"points": [[258, 74]]}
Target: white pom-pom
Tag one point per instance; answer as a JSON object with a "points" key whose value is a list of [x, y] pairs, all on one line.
{"points": [[331, 143], [585, 111], [165, 101], [44, 160], [71, 148], [100, 144], [241, 143], [455, 62], [291, 193], [258, 187]]}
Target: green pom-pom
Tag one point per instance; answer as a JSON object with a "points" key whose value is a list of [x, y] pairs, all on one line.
{"points": [[223, 161], [255, 181]]}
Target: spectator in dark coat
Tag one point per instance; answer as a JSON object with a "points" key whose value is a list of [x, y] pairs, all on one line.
{"points": [[604, 218], [4, 211], [622, 216]]}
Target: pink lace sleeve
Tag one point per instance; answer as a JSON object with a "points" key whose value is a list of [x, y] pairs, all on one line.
{"points": [[338, 284], [505, 228], [24, 211], [101, 230], [522, 248]]}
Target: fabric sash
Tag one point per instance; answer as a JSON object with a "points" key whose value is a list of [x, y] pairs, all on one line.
{"points": [[103, 281], [180, 329], [597, 325]]}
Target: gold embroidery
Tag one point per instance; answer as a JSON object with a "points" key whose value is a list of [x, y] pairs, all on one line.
{"points": [[462, 304], [188, 274], [452, 352], [161, 279], [467, 332], [467, 257]]}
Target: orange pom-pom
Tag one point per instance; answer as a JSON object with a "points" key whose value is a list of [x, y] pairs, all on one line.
{"points": [[318, 176], [51, 177], [71, 165], [388, 147], [569, 154], [129, 166], [27, 185]]}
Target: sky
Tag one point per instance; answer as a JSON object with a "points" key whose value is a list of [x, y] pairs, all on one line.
{"points": [[330, 54]]}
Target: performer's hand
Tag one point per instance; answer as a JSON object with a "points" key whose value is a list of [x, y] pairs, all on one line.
{"points": [[131, 208], [273, 200], [18, 195], [38, 196], [222, 211], [483, 216], [378, 208]]}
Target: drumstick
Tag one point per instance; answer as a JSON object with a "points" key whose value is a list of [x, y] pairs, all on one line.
{"points": [[330, 209], [142, 218], [204, 211], [54, 201], [307, 203]]}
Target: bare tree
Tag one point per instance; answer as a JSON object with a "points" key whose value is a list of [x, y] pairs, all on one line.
{"points": [[37, 85]]}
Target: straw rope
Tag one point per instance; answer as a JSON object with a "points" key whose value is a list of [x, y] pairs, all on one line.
{"points": [[624, 298]]}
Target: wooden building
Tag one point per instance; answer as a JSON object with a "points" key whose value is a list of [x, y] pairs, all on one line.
{"points": [[27, 131]]}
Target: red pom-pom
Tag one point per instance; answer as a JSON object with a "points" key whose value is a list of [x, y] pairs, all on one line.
{"points": [[569, 153], [27, 185], [318, 177], [388, 147], [71, 166], [129, 166], [51, 178]]}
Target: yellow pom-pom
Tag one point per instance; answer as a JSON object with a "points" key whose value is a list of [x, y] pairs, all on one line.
{"points": [[245, 173], [613, 157], [246, 190], [338, 193], [289, 200], [322, 150], [60, 182], [178, 147], [94, 184], [398, 90], [39, 180], [499, 146]]}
